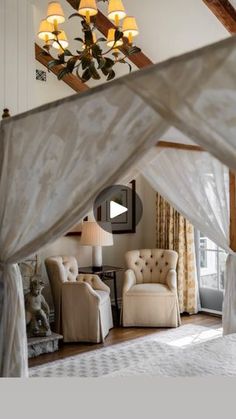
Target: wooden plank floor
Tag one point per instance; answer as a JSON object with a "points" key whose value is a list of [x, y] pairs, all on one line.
{"points": [[120, 334]]}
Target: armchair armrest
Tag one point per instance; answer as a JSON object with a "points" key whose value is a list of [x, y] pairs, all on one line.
{"points": [[129, 280], [171, 279], [94, 281], [80, 315], [73, 291]]}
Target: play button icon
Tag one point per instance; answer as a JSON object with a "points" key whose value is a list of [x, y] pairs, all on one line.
{"points": [[116, 209]]}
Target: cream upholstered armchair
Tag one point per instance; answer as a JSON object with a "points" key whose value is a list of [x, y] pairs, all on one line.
{"points": [[82, 302], [150, 289]]}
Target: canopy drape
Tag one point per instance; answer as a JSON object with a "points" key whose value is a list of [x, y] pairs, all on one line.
{"points": [[197, 185], [54, 162], [196, 93], [55, 159]]}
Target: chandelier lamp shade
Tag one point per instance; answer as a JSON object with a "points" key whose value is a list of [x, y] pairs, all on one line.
{"points": [[130, 28], [116, 11], [55, 14], [88, 8], [90, 59], [111, 39], [45, 31]]}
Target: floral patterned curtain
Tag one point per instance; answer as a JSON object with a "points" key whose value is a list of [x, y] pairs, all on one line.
{"points": [[174, 232]]}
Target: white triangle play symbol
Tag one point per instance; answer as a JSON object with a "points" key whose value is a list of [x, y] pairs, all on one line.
{"points": [[116, 209]]}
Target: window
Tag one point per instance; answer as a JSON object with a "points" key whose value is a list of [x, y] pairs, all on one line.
{"points": [[212, 260], [203, 254]]}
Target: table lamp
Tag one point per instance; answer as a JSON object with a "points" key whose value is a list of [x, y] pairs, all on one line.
{"points": [[94, 235]]}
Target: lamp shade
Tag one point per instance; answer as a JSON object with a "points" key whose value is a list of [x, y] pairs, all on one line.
{"points": [[116, 8], [62, 38], [94, 235], [88, 7], [111, 39], [55, 12], [45, 30], [130, 26]]}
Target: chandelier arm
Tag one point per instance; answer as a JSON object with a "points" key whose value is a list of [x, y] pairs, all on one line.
{"points": [[77, 70], [57, 40], [109, 50], [123, 61]]}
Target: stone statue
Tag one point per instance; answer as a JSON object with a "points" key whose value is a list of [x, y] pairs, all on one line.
{"points": [[37, 310]]}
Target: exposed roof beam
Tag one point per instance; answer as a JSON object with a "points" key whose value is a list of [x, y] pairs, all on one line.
{"points": [[103, 24], [179, 146], [69, 79], [225, 13]]}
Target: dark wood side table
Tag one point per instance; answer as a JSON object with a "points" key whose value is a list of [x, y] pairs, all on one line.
{"points": [[106, 272]]}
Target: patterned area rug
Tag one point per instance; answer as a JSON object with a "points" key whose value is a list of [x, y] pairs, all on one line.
{"points": [[189, 350]]}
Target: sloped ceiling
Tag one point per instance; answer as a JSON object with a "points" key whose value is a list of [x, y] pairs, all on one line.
{"points": [[167, 28]]}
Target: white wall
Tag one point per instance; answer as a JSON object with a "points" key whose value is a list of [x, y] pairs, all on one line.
{"points": [[17, 55], [52, 89]]}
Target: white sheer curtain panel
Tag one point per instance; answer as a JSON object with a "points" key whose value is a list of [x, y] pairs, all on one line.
{"points": [[54, 160], [197, 185], [196, 93]]}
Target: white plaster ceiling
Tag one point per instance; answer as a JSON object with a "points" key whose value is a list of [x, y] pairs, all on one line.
{"points": [[233, 2]]}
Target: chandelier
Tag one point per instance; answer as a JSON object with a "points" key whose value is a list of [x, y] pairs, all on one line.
{"points": [[91, 59]]}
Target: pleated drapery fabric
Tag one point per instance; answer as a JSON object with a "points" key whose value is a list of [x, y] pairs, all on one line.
{"points": [[54, 160], [196, 93], [174, 232], [197, 185]]}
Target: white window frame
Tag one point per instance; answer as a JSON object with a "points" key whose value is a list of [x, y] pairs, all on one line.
{"points": [[211, 299]]}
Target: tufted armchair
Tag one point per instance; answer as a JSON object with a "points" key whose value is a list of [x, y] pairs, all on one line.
{"points": [[150, 289], [82, 302]]}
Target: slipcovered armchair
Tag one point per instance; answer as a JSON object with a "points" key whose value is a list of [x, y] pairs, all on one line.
{"points": [[150, 289], [82, 302]]}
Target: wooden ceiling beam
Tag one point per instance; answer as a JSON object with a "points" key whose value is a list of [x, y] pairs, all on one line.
{"points": [[225, 13], [103, 24], [179, 146], [70, 79]]}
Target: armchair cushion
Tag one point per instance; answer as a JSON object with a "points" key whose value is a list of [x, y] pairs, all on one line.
{"points": [[149, 289]]}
